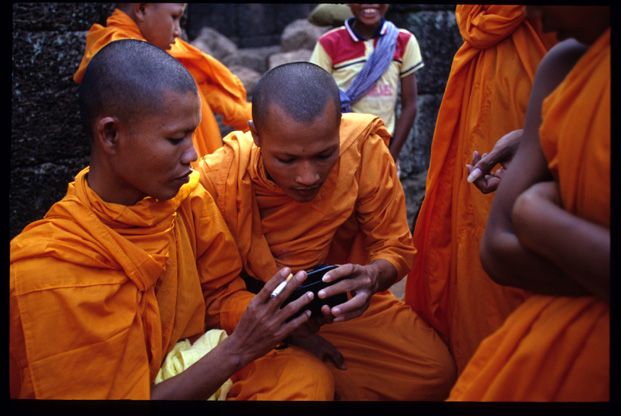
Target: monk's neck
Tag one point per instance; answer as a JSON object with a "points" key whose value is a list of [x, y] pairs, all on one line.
{"points": [[110, 189]]}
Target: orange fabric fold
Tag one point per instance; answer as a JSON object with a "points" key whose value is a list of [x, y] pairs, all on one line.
{"points": [[486, 97], [558, 348], [362, 190], [220, 91], [100, 292]]}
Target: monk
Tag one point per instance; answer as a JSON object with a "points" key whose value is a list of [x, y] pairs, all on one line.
{"points": [[307, 186], [136, 257], [486, 96], [549, 229], [220, 91]]}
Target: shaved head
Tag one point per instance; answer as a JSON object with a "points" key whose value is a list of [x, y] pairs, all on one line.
{"points": [[128, 79], [301, 89]]}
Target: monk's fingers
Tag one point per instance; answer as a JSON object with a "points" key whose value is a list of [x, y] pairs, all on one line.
{"points": [[342, 286], [479, 168], [326, 315], [487, 184], [340, 272], [476, 156], [286, 288], [353, 308], [265, 293], [295, 323], [293, 307]]}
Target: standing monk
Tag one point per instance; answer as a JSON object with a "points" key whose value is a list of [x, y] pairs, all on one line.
{"points": [[137, 257], [220, 91], [485, 97], [307, 187], [549, 229]]}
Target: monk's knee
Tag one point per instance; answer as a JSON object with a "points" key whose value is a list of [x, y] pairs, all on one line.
{"points": [[442, 372], [312, 376]]}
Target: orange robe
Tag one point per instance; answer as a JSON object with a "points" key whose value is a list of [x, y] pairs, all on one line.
{"points": [[389, 351], [100, 292], [220, 91], [558, 348], [486, 96]]}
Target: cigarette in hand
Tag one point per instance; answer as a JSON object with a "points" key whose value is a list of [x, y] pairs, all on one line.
{"points": [[281, 286]]}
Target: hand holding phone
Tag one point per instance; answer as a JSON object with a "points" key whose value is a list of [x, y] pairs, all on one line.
{"points": [[313, 283]]}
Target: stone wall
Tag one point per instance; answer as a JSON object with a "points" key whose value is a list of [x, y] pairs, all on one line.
{"points": [[47, 142], [249, 25]]}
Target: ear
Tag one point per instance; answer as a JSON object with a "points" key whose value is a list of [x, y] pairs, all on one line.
{"points": [[139, 10], [255, 134], [107, 134]]}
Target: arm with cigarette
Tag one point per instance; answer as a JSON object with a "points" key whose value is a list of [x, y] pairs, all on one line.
{"points": [[263, 325]]}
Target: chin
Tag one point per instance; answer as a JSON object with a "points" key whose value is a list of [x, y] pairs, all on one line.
{"points": [[303, 198]]}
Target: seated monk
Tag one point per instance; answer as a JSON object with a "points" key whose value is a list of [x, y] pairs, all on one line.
{"points": [[549, 229], [219, 90], [136, 258], [307, 186]]}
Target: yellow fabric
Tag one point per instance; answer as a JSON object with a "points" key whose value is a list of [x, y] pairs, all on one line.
{"points": [[486, 96], [184, 354], [220, 91], [558, 348], [390, 352]]}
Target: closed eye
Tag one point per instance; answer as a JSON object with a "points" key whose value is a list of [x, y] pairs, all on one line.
{"points": [[175, 141]]}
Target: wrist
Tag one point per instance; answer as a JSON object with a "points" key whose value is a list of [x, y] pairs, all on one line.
{"points": [[387, 274], [234, 356]]}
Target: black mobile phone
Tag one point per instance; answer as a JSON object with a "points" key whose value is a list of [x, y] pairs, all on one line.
{"points": [[314, 284]]}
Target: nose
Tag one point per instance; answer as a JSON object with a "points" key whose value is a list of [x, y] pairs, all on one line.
{"points": [[177, 30], [307, 175], [189, 155]]}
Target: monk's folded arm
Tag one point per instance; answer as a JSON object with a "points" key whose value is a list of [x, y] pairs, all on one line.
{"points": [[502, 256], [581, 249], [381, 212]]}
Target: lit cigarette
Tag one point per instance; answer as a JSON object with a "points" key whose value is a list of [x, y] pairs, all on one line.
{"points": [[281, 286]]}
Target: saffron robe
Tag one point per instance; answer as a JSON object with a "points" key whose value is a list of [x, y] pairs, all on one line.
{"points": [[486, 96], [558, 348], [101, 292], [219, 90], [390, 353]]}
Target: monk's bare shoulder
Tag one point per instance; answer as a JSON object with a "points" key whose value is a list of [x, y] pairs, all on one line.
{"points": [[557, 63]]}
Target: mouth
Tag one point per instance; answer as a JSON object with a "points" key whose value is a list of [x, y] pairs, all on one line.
{"points": [[369, 13], [306, 194], [185, 177]]}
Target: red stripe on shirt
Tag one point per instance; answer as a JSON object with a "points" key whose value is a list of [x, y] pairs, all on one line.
{"points": [[340, 47]]}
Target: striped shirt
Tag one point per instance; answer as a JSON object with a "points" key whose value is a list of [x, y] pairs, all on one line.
{"points": [[343, 53]]}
